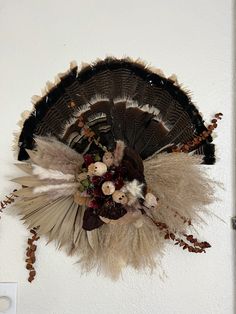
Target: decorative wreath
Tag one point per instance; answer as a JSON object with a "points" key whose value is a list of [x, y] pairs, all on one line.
{"points": [[113, 154]]}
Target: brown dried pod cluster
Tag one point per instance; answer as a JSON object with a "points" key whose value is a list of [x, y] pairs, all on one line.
{"points": [[198, 139], [194, 247], [197, 245], [30, 254]]}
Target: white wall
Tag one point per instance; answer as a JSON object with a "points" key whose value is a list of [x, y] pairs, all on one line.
{"points": [[192, 38]]}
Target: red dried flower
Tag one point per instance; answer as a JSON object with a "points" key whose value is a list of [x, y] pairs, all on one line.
{"points": [[88, 159]]}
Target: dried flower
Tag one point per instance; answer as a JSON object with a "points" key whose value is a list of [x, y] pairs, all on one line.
{"points": [[196, 247]]}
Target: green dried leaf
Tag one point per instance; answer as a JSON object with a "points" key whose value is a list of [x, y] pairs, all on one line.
{"points": [[85, 183], [97, 157]]}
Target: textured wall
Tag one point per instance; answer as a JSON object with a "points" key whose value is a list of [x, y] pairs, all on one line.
{"points": [[191, 38]]}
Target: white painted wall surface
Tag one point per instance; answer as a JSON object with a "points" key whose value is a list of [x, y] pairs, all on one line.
{"points": [[192, 38]]}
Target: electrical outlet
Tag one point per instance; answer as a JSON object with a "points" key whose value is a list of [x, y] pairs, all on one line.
{"points": [[8, 292]]}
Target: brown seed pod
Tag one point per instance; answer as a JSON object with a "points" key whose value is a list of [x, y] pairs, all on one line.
{"points": [[97, 169], [108, 159], [30, 253], [108, 188], [119, 197]]}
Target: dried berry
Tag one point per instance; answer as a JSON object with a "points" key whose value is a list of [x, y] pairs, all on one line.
{"points": [[30, 253], [198, 139]]}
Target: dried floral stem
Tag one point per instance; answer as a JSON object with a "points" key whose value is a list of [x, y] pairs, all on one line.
{"points": [[30, 254], [9, 199], [89, 133], [185, 148], [184, 219], [194, 247]]}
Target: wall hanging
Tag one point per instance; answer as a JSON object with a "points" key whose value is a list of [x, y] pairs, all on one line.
{"points": [[112, 156]]}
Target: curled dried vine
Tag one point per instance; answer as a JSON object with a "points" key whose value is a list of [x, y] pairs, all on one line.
{"points": [[30, 254]]}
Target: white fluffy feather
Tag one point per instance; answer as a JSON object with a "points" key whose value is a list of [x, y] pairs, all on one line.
{"points": [[43, 173], [51, 187], [135, 188]]}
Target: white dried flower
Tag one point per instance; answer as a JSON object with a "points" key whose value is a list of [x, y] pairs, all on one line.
{"points": [[108, 188]]}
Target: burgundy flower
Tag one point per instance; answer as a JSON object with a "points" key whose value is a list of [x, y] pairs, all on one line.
{"points": [[96, 180], [97, 192], [88, 159], [107, 176], [119, 183], [94, 204]]}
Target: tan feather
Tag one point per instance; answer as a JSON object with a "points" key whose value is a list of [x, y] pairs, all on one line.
{"points": [[26, 167], [25, 192], [29, 181], [34, 156], [56, 155]]}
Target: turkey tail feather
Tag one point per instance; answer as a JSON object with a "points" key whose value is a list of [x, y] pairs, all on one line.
{"points": [[120, 99]]}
